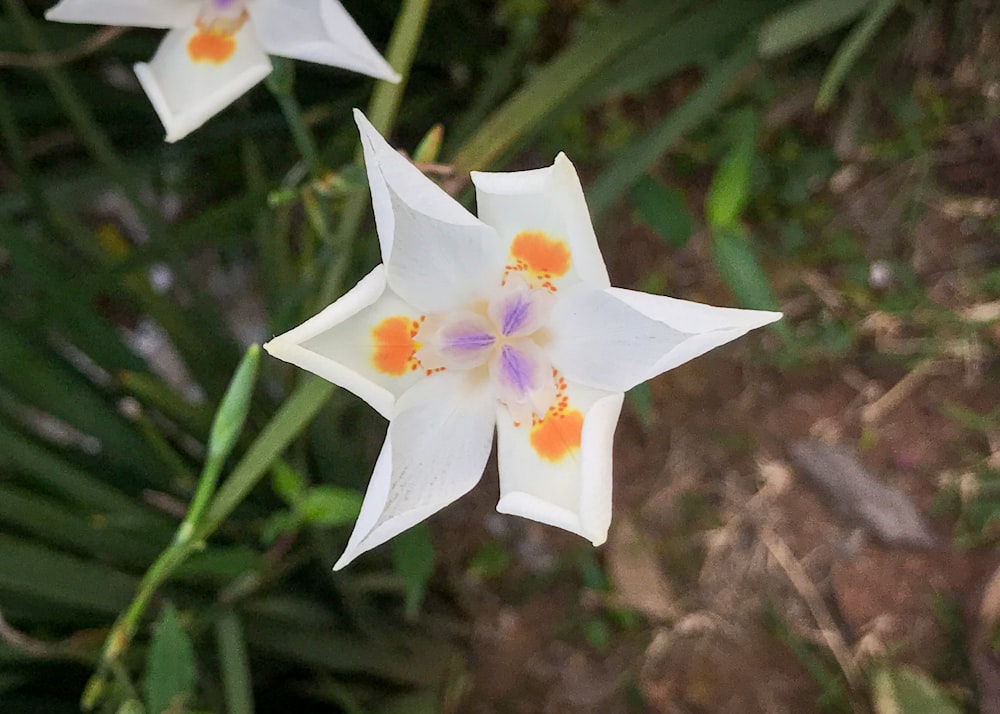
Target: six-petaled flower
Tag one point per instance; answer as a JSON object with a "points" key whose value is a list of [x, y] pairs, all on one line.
{"points": [[507, 323]]}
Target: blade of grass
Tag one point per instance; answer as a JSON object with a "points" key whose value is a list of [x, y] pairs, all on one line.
{"points": [[851, 49], [237, 680], [31, 569], [804, 22]]}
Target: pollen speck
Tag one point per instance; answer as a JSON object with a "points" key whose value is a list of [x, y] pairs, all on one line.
{"points": [[212, 47], [394, 346], [537, 252], [558, 434]]}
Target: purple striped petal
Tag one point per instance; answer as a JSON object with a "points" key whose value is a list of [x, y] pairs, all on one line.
{"points": [[517, 310]]}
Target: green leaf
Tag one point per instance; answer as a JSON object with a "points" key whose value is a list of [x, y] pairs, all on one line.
{"points": [[735, 260], [29, 569], [730, 188], [287, 482], [907, 690], [413, 559], [234, 663], [662, 209], [329, 506], [171, 673], [805, 22], [851, 49], [232, 412]]}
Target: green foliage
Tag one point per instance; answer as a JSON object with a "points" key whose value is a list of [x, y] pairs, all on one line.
{"points": [[133, 437], [171, 671], [906, 690]]}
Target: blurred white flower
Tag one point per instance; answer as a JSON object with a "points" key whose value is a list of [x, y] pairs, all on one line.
{"points": [[216, 50], [506, 322]]}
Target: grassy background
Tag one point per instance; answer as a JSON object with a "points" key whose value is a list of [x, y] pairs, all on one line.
{"points": [[832, 159]]}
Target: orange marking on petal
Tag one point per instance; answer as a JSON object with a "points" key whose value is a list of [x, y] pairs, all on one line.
{"points": [[544, 256], [393, 346], [213, 47], [555, 436]]}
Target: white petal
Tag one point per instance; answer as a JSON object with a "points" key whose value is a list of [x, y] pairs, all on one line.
{"points": [[439, 266], [132, 13], [550, 200], [706, 326], [386, 167], [186, 93], [338, 344], [317, 31], [439, 438], [598, 340], [572, 492]]}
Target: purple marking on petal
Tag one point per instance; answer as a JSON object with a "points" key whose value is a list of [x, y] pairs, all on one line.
{"points": [[515, 314], [469, 341], [515, 369], [222, 4]]}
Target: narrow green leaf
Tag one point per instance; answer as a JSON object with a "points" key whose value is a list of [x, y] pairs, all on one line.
{"points": [[736, 262], [551, 87], [30, 569], [329, 506], [232, 411], [804, 22], [851, 49], [65, 527], [287, 482], [171, 672], [730, 189], [413, 559], [237, 680], [662, 209], [907, 690]]}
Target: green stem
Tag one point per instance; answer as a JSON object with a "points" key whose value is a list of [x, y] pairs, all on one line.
{"points": [[382, 111], [281, 82]]}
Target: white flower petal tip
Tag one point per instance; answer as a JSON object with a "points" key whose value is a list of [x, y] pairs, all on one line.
{"points": [[504, 322], [318, 31], [132, 13]]}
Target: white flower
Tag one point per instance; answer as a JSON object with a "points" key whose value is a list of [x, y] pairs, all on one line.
{"points": [[216, 50], [507, 322]]}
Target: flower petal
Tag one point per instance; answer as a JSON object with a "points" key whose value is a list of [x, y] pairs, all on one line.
{"points": [[317, 31], [363, 342], [558, 471], [132, 13], [440, 266], [602, 342], [187, 92], [705, 326], [457, 340], [549, 201], [440, 436], [386, 167]]}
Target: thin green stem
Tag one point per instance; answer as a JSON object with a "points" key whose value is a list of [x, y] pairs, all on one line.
{"points": [[382, 111], [304, 140]]}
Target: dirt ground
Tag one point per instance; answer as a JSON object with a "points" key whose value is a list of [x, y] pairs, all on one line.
{"points": [[775, 527]]}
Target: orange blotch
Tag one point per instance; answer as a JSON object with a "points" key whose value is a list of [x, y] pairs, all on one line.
{"points": [[394, 346], [542, 255], [213, 47], [555, 436]]}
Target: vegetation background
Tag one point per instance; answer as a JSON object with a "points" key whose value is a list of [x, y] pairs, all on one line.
{"points": [[804, 522]]}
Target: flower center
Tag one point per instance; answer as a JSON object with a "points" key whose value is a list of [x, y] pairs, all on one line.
{"points": [[505, 335]]}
